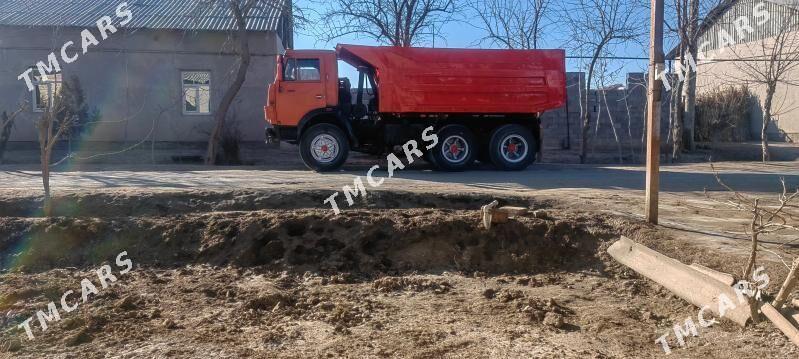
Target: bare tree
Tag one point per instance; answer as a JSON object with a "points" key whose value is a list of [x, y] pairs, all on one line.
{"points": [[597, 27], [512, 24], [60, 115], [242, 11], [767, 218], [770, 63], [6, 124], [690, 12], [683, 95], [239, 9], [397, 22], [604, 74]]}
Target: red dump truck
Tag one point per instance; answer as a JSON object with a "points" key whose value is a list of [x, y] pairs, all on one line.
{"points": [[483, 104]]}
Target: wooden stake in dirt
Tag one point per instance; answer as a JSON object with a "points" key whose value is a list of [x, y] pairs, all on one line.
{"points": [[788, 286], [781, 323], [493, 215], [687, 283], [656, 68], [488, 214]]}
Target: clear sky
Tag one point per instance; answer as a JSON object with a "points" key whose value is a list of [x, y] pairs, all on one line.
{"points": [[460, 33]]}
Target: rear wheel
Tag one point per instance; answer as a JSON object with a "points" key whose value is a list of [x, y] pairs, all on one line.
{"points": [[456, 148], [324, 147], [512, 148]]}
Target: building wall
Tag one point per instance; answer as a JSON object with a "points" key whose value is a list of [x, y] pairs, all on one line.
{"points": [[725, 70], [723, 65], [133, 79]]}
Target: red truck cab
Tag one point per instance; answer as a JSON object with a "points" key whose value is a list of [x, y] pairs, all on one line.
{"points": [[303, 84], [484, 104]]}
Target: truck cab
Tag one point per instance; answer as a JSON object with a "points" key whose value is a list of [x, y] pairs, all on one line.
{"points": [[483, 104], [305, 85]]}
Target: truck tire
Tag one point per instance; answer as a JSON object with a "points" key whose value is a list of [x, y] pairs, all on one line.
{"points": [[324, 147], [512, 148], [456, 148]]}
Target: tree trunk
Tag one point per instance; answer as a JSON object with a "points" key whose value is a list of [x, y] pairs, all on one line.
{"points": [[241, 75], [45, 134], [689, 95], [766, 122], [586, 110], [750, 264], [677, 124], [6, 123], [676, 112], [788, 286], [613, 127], [48, 203], [689, 98]]}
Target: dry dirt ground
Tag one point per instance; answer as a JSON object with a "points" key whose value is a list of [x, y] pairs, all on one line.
{"points": [[408, 272]]}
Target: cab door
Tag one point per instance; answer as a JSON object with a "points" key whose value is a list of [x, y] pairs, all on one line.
{"points": [[301, 90]]}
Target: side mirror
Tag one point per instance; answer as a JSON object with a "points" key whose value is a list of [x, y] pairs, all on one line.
{"points": [[279, 71]]}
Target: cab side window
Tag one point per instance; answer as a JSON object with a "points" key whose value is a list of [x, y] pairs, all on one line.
{"points": [[309, 70], [302, 70]]}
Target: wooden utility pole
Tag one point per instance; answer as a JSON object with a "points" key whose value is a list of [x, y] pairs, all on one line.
{"points": [[656, 70]]}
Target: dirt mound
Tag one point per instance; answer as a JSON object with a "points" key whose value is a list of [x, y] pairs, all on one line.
{"points": [[291, 283], [360, 241], [133, 204]]}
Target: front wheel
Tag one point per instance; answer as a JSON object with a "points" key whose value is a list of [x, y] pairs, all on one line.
{"points": [[324, 147], [456, 148], [512, 148]]}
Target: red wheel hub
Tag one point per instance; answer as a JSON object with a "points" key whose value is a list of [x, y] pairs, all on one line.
{"points": [[513, 148], [325, 149], [453, 149]]}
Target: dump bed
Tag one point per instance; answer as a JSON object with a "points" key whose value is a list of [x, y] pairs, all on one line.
{"points": [[423, 80]]}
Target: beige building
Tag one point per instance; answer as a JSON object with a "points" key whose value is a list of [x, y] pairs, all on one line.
{"points": [[735, 42], [158, 77]]}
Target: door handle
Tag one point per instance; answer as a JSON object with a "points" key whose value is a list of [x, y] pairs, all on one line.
{"points": [[291, 90], [319, 97]]}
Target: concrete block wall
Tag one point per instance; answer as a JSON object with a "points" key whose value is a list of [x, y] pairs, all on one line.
{"points": [[625, 106]]}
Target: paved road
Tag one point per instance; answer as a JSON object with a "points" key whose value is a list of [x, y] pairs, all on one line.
{"points": [[747, 176]]}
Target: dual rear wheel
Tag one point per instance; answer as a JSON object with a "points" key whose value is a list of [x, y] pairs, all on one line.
{"points": [[511, 148], [456, 149]]}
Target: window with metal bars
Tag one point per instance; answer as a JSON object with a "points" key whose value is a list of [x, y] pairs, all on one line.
{"points": [[196, 92]]}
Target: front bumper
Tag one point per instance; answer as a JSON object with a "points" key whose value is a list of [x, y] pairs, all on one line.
{"points": [[275, 134], [272, 136]]}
